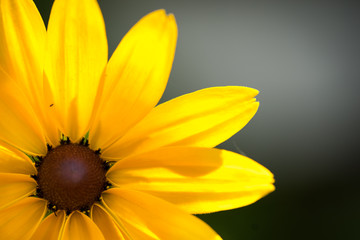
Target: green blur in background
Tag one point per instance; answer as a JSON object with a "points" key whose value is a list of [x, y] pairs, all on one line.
{"points": [[304, 57]]}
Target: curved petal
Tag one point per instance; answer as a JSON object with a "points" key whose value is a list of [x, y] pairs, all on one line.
{"points": [[75, 59], [14, 187], [105, 223], [50, 228], [22, 42], [151, 214], [19, 125], [204, 118], [20, 220], [14, 161], [136, 77], [80, 226], [200, 180], [22, 47]]}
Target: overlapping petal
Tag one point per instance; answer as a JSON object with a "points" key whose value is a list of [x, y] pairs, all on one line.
{"points": [[22, 43], [14, 187], [105, 223], [199, 180], [80, 226], [19, 125], [22, 47], [154, 216], [14, 161], [76, 56], [50, 228], [20, 220], [204, 118], [136, 77]]}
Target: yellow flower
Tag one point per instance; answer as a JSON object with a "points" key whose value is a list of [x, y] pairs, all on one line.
{"points": [[84, 152]]}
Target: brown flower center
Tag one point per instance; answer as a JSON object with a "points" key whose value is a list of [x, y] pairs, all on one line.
{"points": [[71, 177]]}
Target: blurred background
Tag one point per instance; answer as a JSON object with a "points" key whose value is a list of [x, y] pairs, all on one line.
{"points": [[304, 57]]}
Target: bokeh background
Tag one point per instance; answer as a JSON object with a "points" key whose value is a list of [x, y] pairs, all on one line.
{"points": [[304, 57]]}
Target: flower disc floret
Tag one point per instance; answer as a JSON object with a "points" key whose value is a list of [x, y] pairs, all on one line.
{"points": [[71, 177]]}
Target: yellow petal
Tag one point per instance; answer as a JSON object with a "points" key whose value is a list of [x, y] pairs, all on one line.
{"points": [[105, 223], [14, 187], [14, 161], [75, 59], [136, 77], [22, 42], [20, 220], [19, 125], [150, 214], [204, 118], [200, 180], [22, 47], [50, 228], [80, 226]]}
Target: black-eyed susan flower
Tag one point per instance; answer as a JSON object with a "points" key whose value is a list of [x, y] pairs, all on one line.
{"points": [[85, 153]]}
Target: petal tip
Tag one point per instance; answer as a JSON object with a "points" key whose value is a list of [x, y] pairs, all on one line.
{"points": [[162, 15], [252, 91]]}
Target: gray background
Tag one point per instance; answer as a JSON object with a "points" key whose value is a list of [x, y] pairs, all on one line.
{"points": [[304, 58]]}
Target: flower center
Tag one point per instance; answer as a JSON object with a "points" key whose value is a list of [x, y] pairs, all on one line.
{"points": [[71, 177]]}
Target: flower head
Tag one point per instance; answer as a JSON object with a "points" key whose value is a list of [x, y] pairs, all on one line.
{"points": [[85, 153]]}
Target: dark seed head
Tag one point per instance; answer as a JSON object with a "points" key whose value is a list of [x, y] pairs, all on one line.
{"points": [[71, 177]]}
